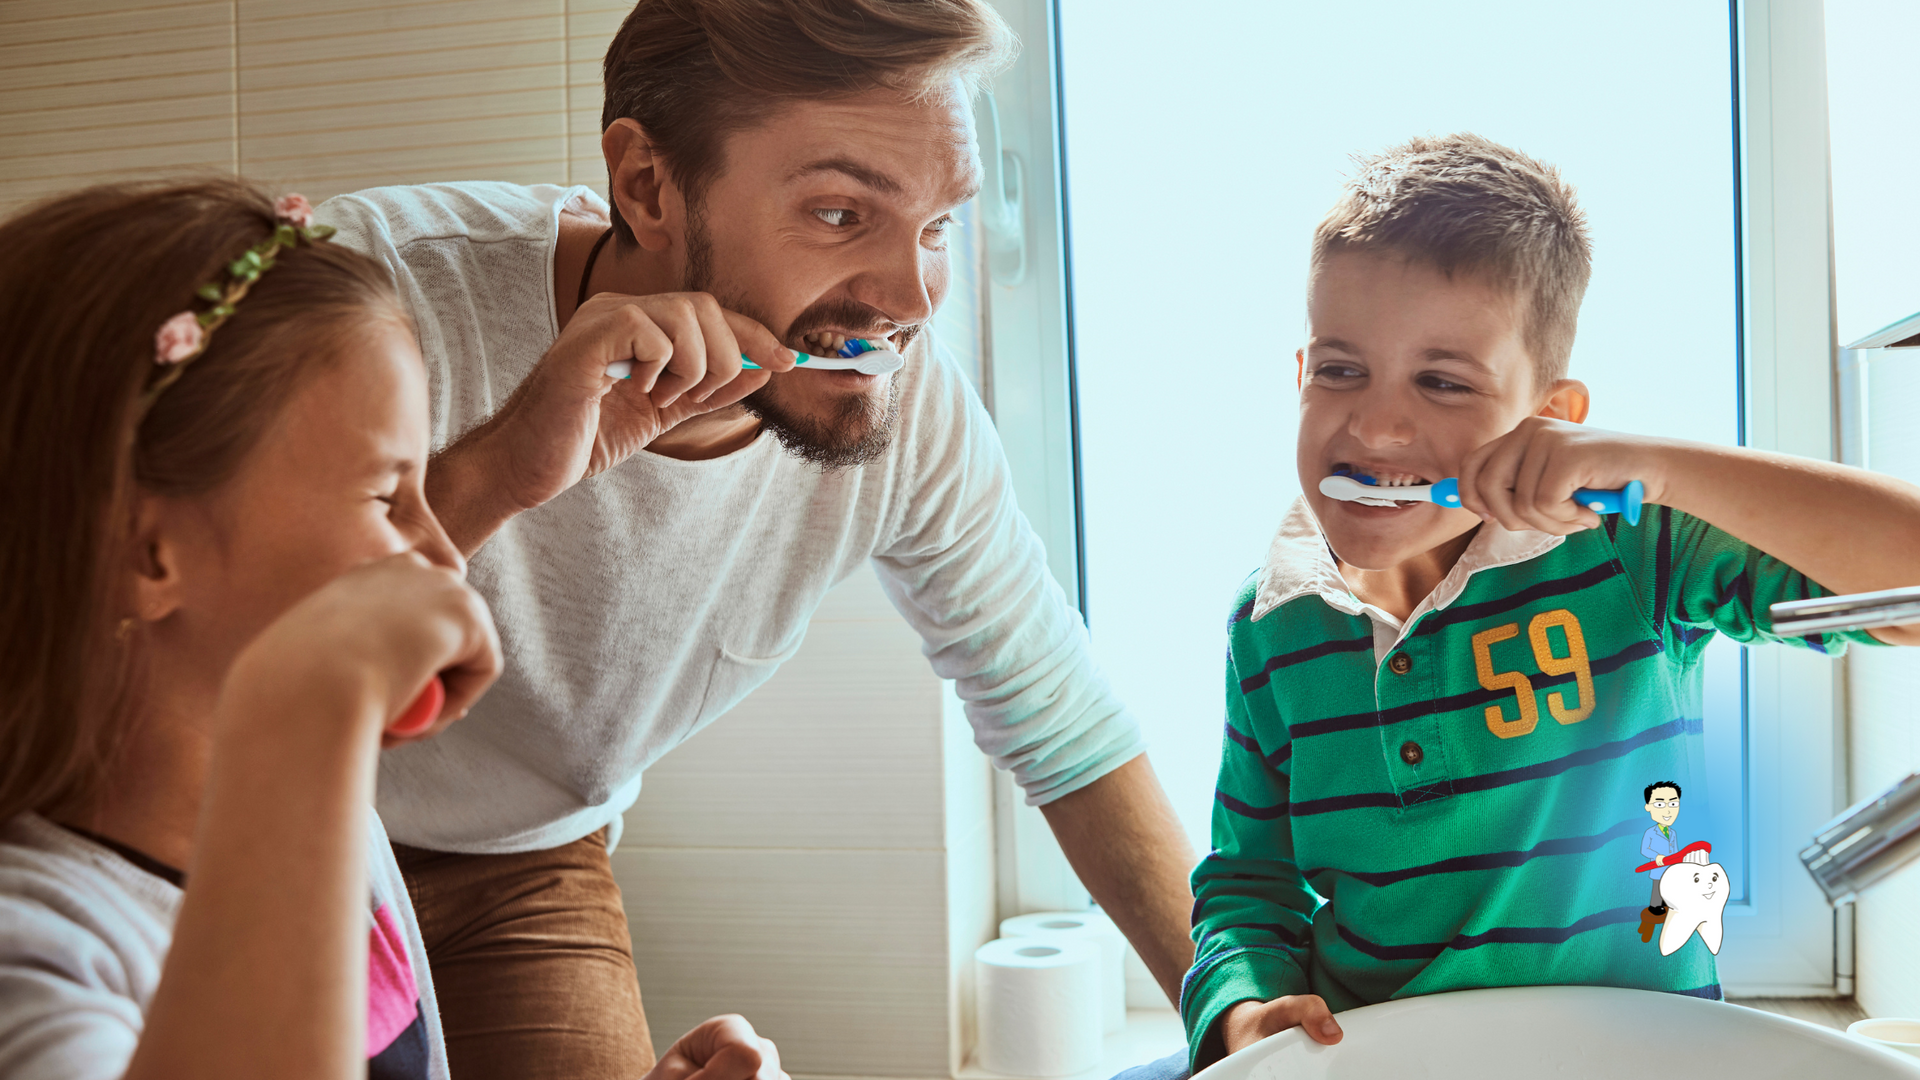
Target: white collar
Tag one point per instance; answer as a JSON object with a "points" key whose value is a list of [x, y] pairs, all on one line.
{"points": [[1299, 563]]}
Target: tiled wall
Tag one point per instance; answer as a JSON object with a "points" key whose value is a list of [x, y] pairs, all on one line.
{"points": [[821, 859], [320, 96]]}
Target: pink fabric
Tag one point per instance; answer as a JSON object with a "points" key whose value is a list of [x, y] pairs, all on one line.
{"points": [[393, 998]]}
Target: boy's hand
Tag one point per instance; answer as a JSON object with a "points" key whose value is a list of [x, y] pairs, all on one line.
{"points": [[1525, 479], [723, 1048], [1250, 1021]]}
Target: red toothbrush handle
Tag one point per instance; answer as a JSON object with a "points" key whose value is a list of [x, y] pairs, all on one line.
{"points": [[423, 712]]}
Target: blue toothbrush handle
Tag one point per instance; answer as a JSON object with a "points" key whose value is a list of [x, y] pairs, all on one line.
{"points": [[1626, 501]]}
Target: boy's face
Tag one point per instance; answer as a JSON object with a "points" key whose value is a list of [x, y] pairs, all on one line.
{"points": [[1404, 373]]}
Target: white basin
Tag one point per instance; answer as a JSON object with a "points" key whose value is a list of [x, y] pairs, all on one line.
{"points": [[1564, 1033]]}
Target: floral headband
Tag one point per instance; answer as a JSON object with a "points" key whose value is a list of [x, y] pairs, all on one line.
{"points": [[185, 336]]}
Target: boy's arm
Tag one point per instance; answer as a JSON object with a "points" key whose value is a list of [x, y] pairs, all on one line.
{"points": [[1846, 528], [1253, 911]]}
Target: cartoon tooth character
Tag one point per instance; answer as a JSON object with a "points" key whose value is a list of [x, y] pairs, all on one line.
{"points": [[1695, 894]]}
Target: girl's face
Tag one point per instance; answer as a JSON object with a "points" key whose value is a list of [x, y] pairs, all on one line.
{"points": [[334, 482]]}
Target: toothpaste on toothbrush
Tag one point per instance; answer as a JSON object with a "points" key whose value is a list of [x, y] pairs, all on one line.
{"points": [[1365, 490], [858, 354]]}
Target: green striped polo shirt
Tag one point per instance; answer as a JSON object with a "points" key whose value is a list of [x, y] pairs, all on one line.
{"points": [[1465, 792]]}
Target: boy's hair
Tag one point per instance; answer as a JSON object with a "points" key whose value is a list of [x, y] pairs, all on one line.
{"points": [[87, 281], [1647, 796], [1467, 205], [694, 72]]}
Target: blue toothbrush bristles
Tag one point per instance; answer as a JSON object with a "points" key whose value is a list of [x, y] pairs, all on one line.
{"points": [[854, 347], [1351, 475]]}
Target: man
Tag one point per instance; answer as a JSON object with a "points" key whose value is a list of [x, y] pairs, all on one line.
{"points": [[782, 177], [1659, 843]]}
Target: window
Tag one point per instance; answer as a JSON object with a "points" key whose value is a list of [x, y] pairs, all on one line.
{"points": [[1200, 151]]}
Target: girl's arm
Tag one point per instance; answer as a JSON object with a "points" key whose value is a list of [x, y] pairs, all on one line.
{"points": [[267, 972]]}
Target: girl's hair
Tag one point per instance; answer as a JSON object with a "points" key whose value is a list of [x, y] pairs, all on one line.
{"points": [[86, 280]]}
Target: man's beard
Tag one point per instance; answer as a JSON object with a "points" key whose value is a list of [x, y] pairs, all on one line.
{"points": [[859, 430]]}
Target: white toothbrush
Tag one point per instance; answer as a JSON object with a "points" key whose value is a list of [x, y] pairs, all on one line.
{"points": [[856, 355], [1446, 492]]}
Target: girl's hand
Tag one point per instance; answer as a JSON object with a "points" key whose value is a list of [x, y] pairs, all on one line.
{"points": [[379, 633], [1526, 478]]}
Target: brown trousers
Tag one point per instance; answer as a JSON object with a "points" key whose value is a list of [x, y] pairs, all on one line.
{"points": [[531, 962]]}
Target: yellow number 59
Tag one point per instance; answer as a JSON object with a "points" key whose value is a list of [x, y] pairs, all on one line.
{"points": [[1575, 662]]}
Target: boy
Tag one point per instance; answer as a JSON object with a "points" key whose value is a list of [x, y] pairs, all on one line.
{"points": [[1440, 720]]}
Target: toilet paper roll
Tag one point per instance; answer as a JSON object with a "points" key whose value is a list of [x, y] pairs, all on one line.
{"points": [[1092, 926], [1038, 1002]]}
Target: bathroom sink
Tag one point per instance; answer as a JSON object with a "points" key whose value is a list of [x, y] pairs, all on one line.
{"points": [[1564, 1033]]}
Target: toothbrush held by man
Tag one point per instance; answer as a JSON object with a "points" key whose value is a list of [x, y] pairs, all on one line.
{"points": [[856, 354]]}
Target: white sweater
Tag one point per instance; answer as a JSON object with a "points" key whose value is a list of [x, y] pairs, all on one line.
{"points": [[643, 603], [84, 934]]}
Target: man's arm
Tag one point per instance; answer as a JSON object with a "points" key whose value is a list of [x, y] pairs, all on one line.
{"points": [[568, 419], [1122, 838]]}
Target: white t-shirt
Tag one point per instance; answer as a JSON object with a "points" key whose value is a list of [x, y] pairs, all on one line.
{"points": [[642, 603], [84, 934]]}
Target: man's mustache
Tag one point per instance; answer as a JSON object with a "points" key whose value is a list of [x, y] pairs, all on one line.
{"points": [[848, 317]]}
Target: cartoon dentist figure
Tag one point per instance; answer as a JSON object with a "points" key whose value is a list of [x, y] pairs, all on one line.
{"points": [[1659, 843]]}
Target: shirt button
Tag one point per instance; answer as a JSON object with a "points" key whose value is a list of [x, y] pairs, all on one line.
{"points": [[1400, 664], [1411, 753]]}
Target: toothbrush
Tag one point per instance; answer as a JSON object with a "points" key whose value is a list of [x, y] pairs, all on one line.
{"points": [[1366, 491], [856, 355]]}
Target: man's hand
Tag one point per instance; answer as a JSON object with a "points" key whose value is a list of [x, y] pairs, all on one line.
{"points": [[1525, 479], [1250, 1021], [569, 419], [723, 1048]]}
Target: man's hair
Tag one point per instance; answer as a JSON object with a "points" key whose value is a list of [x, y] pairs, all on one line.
{"points": [[1647, 796], [1467, 205], [693, 72]]}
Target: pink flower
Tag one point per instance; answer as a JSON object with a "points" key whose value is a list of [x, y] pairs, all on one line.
{"points": [[294, 210], [179, 338]]}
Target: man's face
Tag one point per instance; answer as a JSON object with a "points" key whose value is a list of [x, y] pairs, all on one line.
{"points": [[1405, 372], [1664, 806], [830, 221]]}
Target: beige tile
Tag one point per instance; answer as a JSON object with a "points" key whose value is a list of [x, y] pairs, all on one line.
{"points": [[108, 162], [839, 957], [200, 62], [479, 62], [112, 120], [32, 89], [30, 22], [284, 21], [110, 39], [432, 28], [396, 102]]}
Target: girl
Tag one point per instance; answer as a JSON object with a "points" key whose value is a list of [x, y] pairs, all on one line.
{"points": [[220, 589]]}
